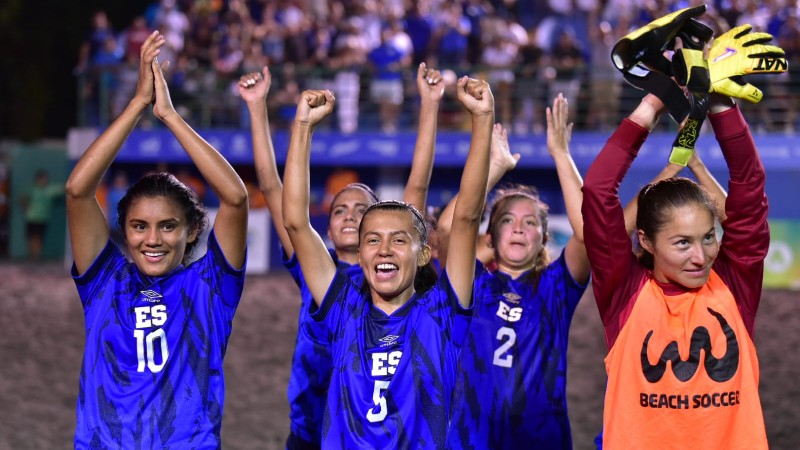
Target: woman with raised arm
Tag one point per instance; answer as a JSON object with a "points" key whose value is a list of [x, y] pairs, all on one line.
{"points": [[394, 348], [513, 371], [679, 314], [311, 362], [157, 326]]}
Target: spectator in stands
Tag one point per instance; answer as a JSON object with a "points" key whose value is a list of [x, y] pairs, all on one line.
{"points": [[528, 88], [387, 63], [566, 65], [38, 203], [94, 41], [450, 38], [419, 26], [133, 38], [500, 55], [605, 83], [350, 48], [201, 37], [173, 25], [282, 102], [293, 23], [476, 11], [93, 53]]}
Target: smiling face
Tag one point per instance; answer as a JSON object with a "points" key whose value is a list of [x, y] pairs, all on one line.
{"points": [[685, 247], [156, 234], [346, 212], [390, 253], [517, 235]]}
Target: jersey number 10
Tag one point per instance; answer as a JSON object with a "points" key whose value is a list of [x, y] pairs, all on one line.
{"points": [[145, 350]]}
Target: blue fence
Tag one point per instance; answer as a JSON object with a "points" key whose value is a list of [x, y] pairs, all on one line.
{"points": [[377, 149]]}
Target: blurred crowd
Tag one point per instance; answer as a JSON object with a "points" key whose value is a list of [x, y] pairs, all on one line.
{"points": [[367, 52]]}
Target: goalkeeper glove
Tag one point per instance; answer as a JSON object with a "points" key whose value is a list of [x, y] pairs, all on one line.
{"points": [[737, 53], [691, 70], [639, 56]]}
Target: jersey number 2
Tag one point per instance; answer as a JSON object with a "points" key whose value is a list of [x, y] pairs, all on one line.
{"points": [[145, 349], [507, 337]]}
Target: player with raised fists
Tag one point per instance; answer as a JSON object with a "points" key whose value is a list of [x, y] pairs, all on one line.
{"points": [[395, 347], [311, 362]]}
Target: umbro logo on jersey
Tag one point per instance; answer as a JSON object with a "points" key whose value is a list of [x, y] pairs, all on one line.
{"points": [[388, 340], [152, 296], [719, 370]]}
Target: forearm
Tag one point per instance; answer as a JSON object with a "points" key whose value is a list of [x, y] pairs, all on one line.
{"points": [[219, 174], [266, 166], [416, 191], [467, 212], [474, 180], [711, 185], [296, 189], [648, 112], [571, 183]]}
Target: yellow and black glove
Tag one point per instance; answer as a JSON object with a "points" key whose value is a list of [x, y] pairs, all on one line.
{"points": [[740, 52], [640, 56], [691, 70]]}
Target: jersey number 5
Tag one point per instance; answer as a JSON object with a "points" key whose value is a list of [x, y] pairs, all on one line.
{"points": [[507, 337], [145, 349], [380, 402]]}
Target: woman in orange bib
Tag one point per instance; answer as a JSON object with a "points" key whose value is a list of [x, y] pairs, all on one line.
{"points": [[679, 314]]}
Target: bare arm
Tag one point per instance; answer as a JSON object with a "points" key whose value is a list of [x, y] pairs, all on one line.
{"points": [[477, 98], [431, 89], [87, 224], [501, 161], [254, 87], [311, 252], [230, 224], [559, 134], [711, 185]]}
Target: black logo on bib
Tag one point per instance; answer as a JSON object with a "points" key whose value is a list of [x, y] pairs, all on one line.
{"points": [[719, 370]]}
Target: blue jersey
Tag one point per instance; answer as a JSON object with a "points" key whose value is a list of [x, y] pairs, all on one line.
{"points": [[311, 362], [513, 370], [393, 375], [152, 366]]}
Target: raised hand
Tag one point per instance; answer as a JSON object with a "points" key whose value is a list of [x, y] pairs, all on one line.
{"points": [[163, 107], [740, 52], [430, 83], [500, 157], [145, 88], [314, 106], [254, 87], [559, 130], [476, 96]]}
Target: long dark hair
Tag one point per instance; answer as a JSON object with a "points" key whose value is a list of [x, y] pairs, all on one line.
{"points": [[426, 276], [166, 185], [505, 196], [656, 203]]}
